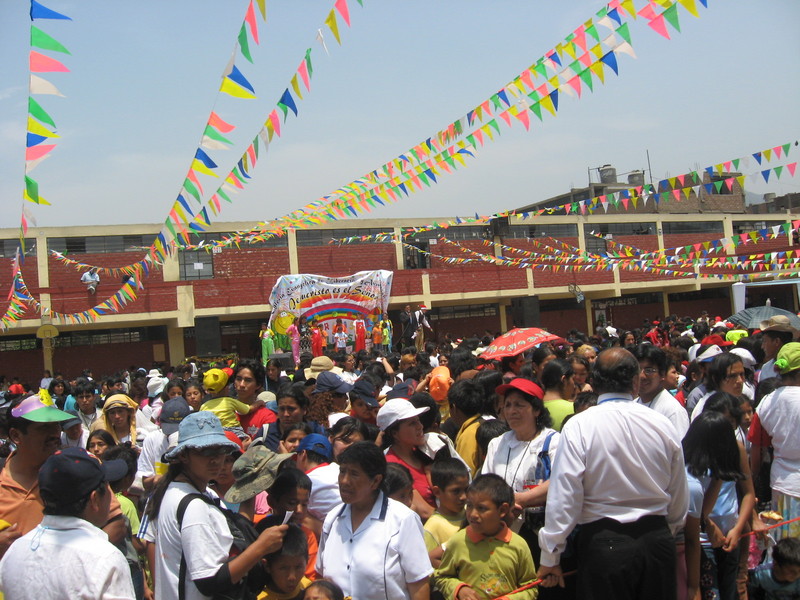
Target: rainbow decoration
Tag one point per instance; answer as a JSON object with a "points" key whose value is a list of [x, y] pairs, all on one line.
{"points": [[363, 295]]}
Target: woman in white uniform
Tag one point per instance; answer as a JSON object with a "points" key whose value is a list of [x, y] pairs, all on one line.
{"points": [[372, 546]]}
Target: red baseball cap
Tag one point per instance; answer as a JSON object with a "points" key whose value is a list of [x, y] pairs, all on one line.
{"points": [[526, 386]]}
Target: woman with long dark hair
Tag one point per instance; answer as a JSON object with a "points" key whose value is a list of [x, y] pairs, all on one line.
{"points": [[725, 374], [558, 381], [372, 547], [712, 461]]}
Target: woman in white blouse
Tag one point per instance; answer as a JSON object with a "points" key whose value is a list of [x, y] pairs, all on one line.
{"points": [[523, 455], [372, 546]]}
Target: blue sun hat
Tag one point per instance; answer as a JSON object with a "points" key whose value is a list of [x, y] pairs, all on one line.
{"points": [[201, 429]]}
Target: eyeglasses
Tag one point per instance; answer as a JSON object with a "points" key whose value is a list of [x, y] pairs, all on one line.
{"points": [[650, 371], [212, 451]]}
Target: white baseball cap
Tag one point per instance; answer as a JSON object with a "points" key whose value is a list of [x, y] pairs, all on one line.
{"points": [[396, 410]]}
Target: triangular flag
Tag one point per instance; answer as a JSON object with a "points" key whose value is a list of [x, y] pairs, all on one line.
{"points": [[341, 6], [39, 11], [671, 15], [39, 63], [330, 21], [37, 128], [41, 86], [287, 101], [35, 153], [610, 59], [250, 18], [237, 76], [212, 133], [244, 45], [39, 39], [36, 111], [233, 89], [659, 26]]}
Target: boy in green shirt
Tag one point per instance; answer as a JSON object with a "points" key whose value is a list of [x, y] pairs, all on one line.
{"points": [[486, 559], [449, 482]]}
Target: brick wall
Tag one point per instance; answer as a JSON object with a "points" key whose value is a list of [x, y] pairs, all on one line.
{"points": [[337, 261]]}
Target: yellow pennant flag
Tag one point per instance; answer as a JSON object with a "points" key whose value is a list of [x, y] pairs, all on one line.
{"points": [[235, 90], [690, 6], [547, 103], [629, 6], [199, 167], [330, 21], [40, 200], [296, 86], [597, 69], [37, 128]]}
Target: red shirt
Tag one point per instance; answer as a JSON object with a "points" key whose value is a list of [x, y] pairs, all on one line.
{"points": [[252, 421]]}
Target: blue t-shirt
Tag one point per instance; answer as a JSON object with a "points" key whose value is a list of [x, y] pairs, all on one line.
{"points": [[763, 585]]}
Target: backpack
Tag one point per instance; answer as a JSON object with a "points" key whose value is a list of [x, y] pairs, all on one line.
{"points": [[244, 534], [544, 464]]}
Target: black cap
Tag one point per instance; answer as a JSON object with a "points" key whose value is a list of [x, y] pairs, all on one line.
{"points": [[403, 389], [366, 391], [72, 473]]}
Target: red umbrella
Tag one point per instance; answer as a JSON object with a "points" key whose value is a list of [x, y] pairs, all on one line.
{"points": [[517, 341]]}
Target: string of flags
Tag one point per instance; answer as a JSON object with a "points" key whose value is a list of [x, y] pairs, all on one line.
{"points": [[182, 220], [41, 129]]}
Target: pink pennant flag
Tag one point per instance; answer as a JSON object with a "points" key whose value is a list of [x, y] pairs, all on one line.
{"points": [[39, 63], [647, 12], [217, 123], [506, 117], [791, 167], [192, 176], [523, 117], [276, 122], [250, 17], [37, 152], [303, 70], [777, 150], [575, 83], [526, 79], [341, 6], [659, 26], [251, 152]]}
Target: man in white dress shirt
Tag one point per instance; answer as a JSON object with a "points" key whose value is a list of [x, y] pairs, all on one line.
{"points": [[68, 555], [653, 364], [619, 474]]}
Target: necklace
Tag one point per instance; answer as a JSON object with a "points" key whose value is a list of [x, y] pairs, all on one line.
{"points": [[519, 462]]}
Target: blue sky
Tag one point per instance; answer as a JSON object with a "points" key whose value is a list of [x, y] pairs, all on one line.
{"points": [[144, 77]]}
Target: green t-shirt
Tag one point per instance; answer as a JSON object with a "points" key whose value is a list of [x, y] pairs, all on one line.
{"points": [[559, 409], [440, 528]]}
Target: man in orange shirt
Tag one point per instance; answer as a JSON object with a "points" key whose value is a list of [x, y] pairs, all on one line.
{"points": [[35, 430]]}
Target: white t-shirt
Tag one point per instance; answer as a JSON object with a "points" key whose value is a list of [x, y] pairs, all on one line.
{"points": [[515, 460], [324, 495], [666, 404], [380, 558], [204, 539], [779, 414], [153, 448]]}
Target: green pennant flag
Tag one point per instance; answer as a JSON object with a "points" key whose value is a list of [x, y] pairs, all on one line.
{"points": [[592, 31], [496, 102], [718, 185], [623, 31], [586, 77], [671, 15], [308, 63], [216, 135], [778, 171], [39, 39], [424, 179], [37, 112], [221, 193], [735, 163], [189, 187], [541, 69], [493, 124], [255, 146], [602, 12], [471, 140], [244, 44], [786, 149], [32, 188]]}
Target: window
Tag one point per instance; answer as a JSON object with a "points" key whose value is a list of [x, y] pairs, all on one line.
{"points": [[463, 312], [414, 259], [553, 231], [747, 226], [322, 237], [8, 248], [674, 227], [195, 264], [101, 244]]}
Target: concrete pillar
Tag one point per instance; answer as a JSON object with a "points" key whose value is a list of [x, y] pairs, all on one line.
{"points": [[587, 304], [177, 349], [294, 261], [665, 301]]}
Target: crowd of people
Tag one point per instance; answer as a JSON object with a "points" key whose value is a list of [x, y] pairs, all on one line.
{"points": [[657, 463]]}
